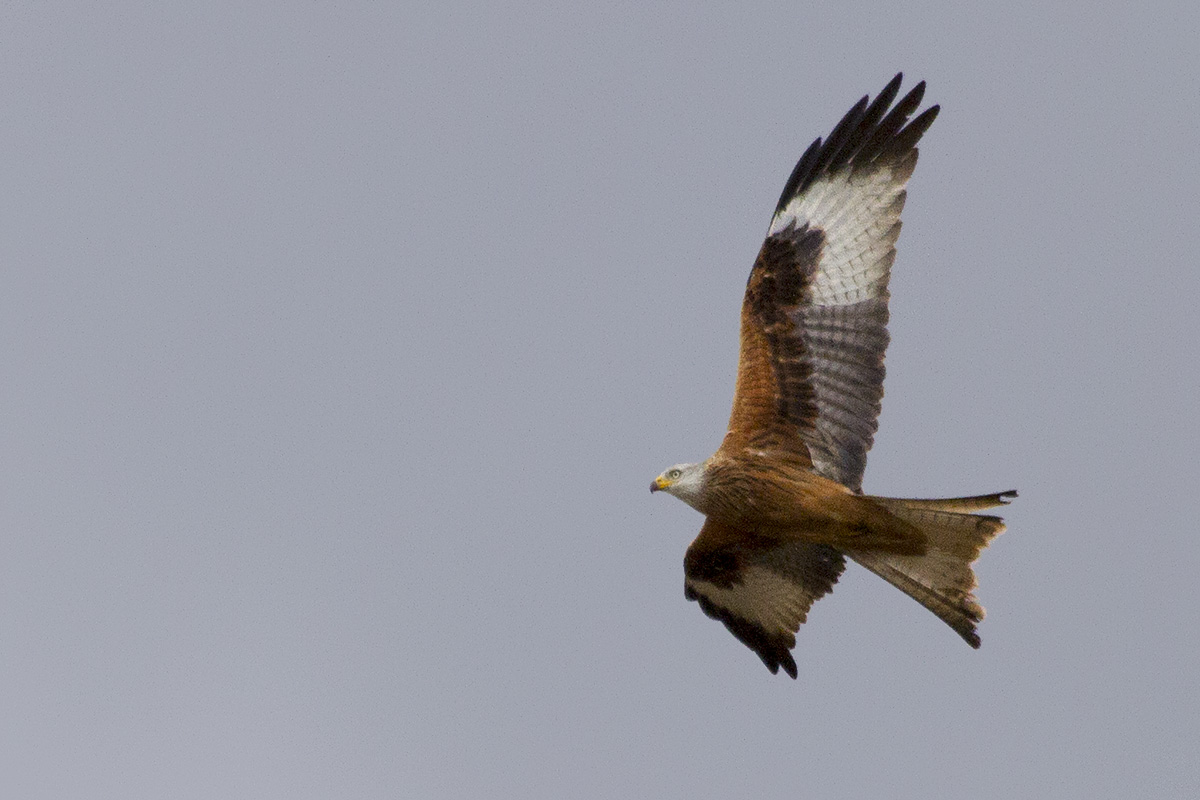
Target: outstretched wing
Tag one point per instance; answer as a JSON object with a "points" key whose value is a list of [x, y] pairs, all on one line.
{"points": [[760, 588], [814, 318]]}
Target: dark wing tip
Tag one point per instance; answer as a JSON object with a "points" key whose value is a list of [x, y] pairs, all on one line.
{"points": [[789, 665], [965, 627], [773, 650], [906, 140], [800, 172], [864, 135], [1008, 497]]}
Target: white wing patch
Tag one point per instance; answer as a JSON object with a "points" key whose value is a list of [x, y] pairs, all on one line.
{"points": [[763, 597], [859, 212]]}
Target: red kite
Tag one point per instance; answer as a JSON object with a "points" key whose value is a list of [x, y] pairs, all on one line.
{"points": [[783, 494]]}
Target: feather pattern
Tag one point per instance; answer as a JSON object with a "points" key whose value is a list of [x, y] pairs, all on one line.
{"points": [[942, 579], [760, 588]]}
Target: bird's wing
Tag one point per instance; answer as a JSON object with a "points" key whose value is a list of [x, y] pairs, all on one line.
{"points": [[760, 588], [814, 318]]}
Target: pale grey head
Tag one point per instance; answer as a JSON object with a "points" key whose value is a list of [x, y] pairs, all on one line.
{"points": [[685, 481]]}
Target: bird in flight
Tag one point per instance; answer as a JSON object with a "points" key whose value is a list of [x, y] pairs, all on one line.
{"points": [[782, 496]]}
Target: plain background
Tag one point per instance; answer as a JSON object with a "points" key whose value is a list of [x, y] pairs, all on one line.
{"points": [[341, 343]]}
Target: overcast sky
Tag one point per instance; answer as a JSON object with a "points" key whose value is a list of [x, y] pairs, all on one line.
{"points": [[340, 344]]}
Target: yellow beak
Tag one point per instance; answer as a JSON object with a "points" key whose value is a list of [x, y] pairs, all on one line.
{"points": [[659, 484]]}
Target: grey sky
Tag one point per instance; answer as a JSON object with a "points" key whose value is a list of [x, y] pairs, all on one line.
{"points": [[341, 344]]}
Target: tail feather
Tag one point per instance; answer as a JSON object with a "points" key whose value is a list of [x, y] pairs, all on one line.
{"points": [[942, 579], [956, 504]]}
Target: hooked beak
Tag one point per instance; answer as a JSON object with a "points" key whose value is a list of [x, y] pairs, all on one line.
{"points": [[658, 485]]}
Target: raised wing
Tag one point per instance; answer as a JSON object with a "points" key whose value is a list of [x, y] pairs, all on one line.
{"points": [[814, 319], [760, 588]]}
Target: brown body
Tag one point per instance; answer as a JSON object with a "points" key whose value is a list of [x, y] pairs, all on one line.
{"points": [[783, 498]]}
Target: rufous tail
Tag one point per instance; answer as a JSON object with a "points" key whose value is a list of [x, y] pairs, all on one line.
{"points": [[942, 579]]}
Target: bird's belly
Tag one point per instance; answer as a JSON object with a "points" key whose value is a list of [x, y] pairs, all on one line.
{"points": [[808, 507]]}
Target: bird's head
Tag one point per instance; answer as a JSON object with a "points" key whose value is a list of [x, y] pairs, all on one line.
{"points": [[685, 481]]}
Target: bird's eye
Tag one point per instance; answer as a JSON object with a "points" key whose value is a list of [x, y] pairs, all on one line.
{"points": [[673, 474]]}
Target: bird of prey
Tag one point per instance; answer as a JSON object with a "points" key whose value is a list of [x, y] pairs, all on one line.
{"points": [[783, 495]]}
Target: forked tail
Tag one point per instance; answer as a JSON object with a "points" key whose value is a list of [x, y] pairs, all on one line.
{"points": [[942, 579]]}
